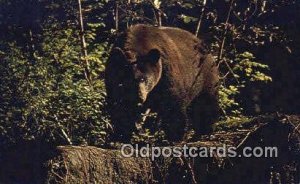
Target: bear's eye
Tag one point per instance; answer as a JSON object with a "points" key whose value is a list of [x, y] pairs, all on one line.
{"points": [[142, 79], [127, 66]]}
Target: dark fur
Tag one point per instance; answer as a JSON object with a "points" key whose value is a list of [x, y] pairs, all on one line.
{"points": [[186, 91]]}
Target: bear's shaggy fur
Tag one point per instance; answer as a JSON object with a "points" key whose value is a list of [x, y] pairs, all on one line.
{"points": [[166, 69]]}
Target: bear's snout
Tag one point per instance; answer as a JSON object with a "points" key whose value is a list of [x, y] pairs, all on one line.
{"points": [[142, 92]]}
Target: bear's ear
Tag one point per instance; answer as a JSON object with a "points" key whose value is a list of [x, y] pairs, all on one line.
{"points": [[117, 54], [153, 56]]}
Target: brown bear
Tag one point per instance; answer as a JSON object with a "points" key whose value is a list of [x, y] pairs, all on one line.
{"points": [[168, 70]]}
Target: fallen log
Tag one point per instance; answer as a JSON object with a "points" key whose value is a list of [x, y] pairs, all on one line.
{"points": [[86, 164], [76, 164]]}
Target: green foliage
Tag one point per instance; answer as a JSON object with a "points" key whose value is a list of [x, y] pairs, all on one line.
{"points": [[44, 91], [250, 69], [54, 99], [146, 133], [245, 70], [230, 123]]}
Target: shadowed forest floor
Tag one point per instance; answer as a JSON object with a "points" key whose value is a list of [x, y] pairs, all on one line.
{"points": [[86, 164]]}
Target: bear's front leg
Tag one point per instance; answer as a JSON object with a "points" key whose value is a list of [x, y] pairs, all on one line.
{"points": [[123, 123], [203, 112], [174, 123]]}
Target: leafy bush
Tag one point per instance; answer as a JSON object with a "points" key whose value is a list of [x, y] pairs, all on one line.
{"points": [[44, 93]]}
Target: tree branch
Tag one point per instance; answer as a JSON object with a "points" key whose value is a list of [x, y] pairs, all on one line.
{"points": [[200, 18], [220, 56], [84, 59]]}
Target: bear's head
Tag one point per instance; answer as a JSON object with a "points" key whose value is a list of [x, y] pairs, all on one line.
{"points": [[143, 72]]}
